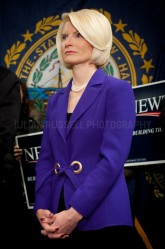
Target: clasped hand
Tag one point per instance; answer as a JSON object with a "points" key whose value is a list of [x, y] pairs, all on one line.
{"points": [[59, 225]]}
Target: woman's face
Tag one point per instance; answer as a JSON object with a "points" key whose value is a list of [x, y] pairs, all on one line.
{"points": [[75, 49]]}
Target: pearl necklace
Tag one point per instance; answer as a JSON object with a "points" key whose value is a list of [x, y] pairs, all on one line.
{"points": [[78, 88]]}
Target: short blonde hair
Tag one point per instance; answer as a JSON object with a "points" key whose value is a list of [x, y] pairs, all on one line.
{"points": [[95, 28]]}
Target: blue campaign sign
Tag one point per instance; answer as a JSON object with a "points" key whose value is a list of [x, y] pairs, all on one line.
{"points": [[148, 136]]}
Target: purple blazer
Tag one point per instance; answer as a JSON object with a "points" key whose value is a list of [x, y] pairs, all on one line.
{"points": [[87, 157]]}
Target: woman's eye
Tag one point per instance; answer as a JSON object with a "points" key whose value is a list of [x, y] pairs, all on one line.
{"points": [[78, 35], [63, 37]]}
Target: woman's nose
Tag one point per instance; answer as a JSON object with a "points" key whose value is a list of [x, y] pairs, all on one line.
{"points": [[68, 41]]}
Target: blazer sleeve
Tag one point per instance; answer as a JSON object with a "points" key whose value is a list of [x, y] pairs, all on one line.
{"points": [[44, 167]]}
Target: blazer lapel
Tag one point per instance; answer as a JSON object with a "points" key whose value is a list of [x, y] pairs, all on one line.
{"points": [[90, 94], [62, 111]]}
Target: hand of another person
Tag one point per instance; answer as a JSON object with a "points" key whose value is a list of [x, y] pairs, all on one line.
{"points": [[17, 152]]}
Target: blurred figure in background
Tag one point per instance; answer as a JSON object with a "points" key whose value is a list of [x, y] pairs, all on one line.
{"points": [[10, 106], [26, 125]]}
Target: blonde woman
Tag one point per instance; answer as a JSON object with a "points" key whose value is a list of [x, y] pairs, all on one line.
{"points": [[80, 191]]}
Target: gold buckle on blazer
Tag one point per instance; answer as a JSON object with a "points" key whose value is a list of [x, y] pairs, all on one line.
{"points": [[56, 168], [77, 171]]}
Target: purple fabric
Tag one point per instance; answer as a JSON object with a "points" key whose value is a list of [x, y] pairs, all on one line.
{"points": [[99, 136]]}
